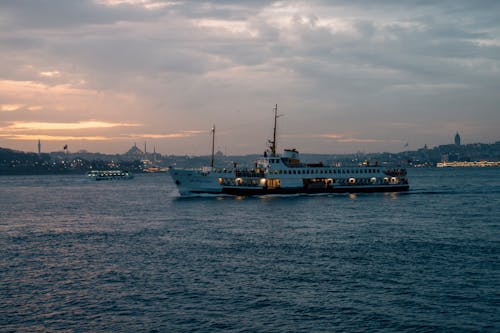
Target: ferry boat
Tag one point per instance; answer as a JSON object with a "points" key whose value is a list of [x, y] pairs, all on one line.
{"points": [[286, 174], [109, 175]]}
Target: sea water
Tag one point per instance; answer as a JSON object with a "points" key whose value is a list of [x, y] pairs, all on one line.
{"points": [[131, 256]]}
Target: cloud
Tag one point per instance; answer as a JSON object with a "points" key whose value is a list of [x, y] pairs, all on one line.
{"points": [[33, 137], [50, 74], [66, 126], [10, 107], [332, 136], [17, 107], [353, 67], [348, 138], [179, 135]]}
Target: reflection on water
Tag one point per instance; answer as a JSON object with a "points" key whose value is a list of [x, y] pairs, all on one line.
{"points": [[131, 256]]}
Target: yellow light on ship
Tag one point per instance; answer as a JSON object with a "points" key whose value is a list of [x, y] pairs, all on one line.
{"points": [[352, 180], [262, 182], [373, 180]]}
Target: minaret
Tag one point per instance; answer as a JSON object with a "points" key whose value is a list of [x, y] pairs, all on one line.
{"points": [[145, 150], [39, 147], [457, 139]]}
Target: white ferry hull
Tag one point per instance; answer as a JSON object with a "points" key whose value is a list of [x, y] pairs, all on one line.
{"points": [[214, 181]]}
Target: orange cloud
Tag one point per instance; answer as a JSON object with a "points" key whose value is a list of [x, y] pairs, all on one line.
{"points": [[183, 134], [32, 137], [344, 138], [332, 135], [65, 126], [50, 74], [349, 140], [10, 107]]}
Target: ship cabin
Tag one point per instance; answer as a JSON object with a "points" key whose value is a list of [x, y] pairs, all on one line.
{"points": [[287, 170]]}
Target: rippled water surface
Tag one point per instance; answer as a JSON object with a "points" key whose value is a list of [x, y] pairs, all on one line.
{"points": [[130, 256]]}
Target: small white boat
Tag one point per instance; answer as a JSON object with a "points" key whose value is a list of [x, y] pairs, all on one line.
{"points": [[109, 175]]}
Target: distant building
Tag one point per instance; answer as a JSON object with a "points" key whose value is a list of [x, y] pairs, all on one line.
{"points": [[134, 153], [457, 139], [39, 147]]}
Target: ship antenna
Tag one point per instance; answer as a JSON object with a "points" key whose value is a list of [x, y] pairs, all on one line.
{"points": [[273, 143], [213, 146]]}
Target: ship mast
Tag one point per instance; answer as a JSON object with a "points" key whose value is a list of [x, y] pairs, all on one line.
{"points": [[273, 142], [213, 146]]}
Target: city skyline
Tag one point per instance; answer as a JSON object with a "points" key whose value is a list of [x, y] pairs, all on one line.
{"points": [[380, 76], [144, 150]]}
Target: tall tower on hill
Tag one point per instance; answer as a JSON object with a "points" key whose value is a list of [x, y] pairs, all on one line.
{"points": [[457, 139]]}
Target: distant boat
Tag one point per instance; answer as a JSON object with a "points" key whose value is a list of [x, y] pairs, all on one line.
{"points": [[275, 174], [109, 175]]}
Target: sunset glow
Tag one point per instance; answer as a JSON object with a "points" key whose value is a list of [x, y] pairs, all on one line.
{"points": [[66, 126], [348, 76]]}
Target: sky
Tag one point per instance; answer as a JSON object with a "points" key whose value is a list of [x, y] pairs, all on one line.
{"points": [[347, 75]]}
